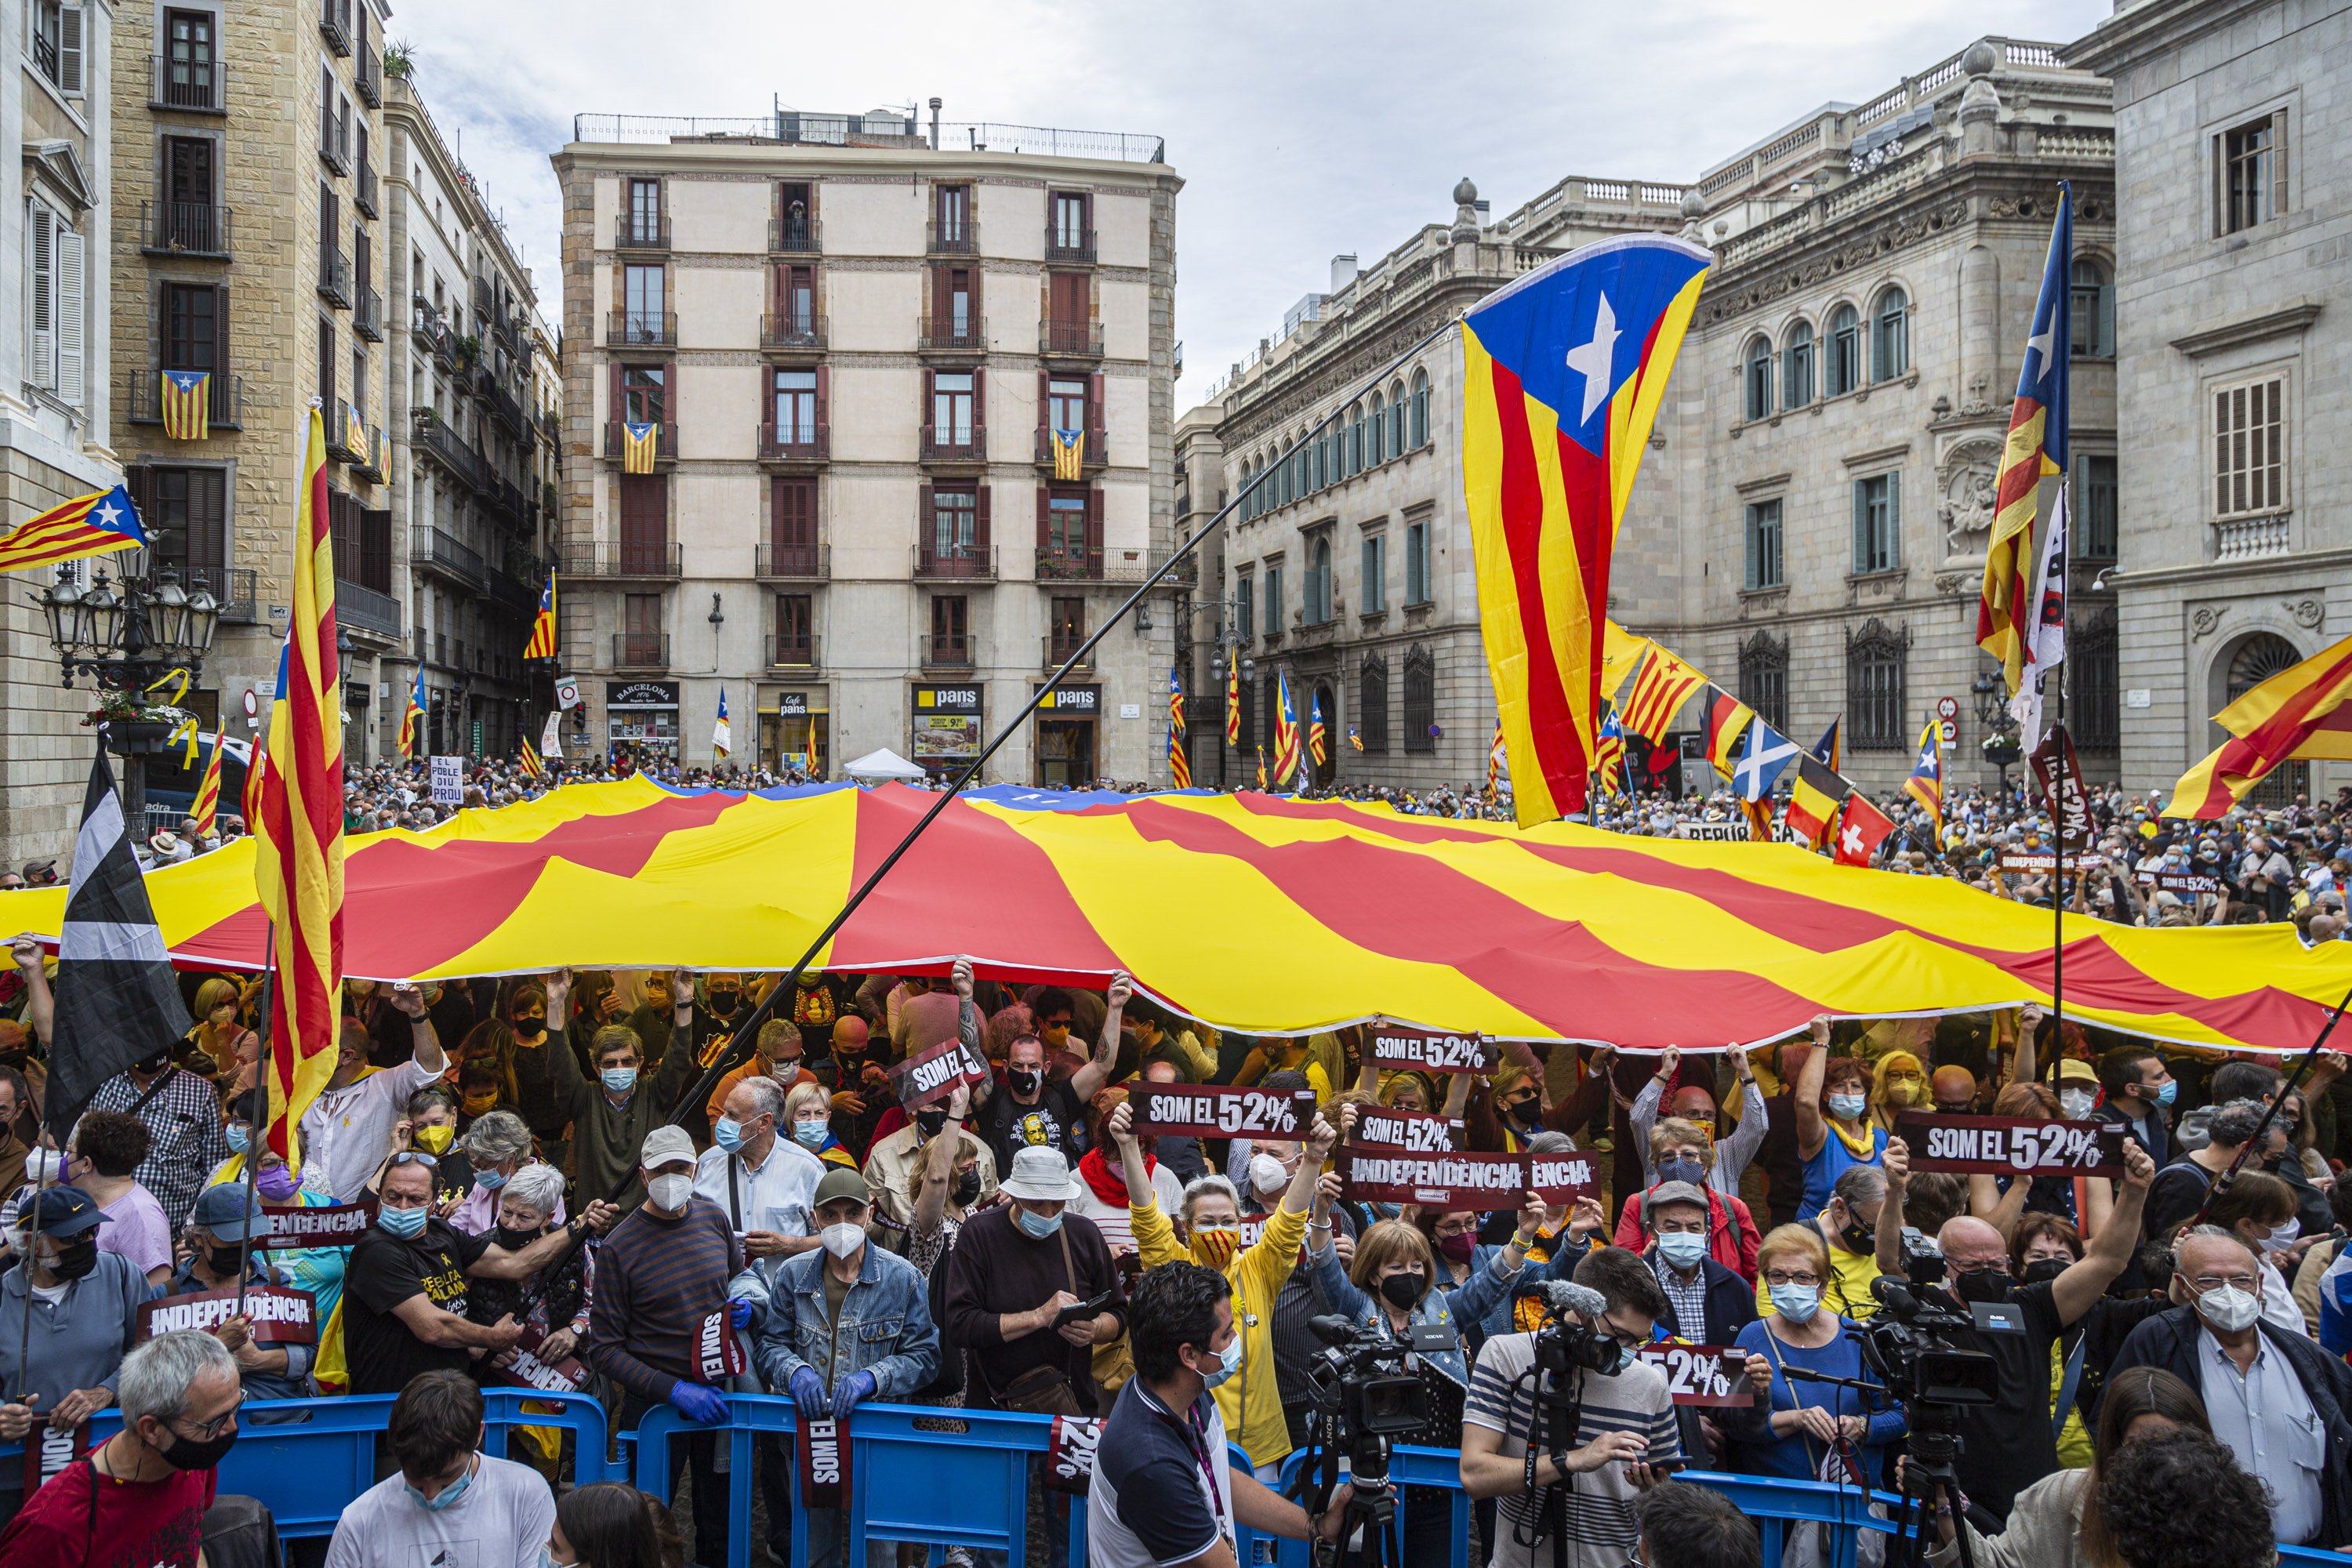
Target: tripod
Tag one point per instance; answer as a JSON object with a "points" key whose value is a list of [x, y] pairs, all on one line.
{"points": [[1372, 1502], [1557, 1413], [1929, 1475]]}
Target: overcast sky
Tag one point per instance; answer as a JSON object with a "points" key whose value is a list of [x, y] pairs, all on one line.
{"points": [[1300, 131]]}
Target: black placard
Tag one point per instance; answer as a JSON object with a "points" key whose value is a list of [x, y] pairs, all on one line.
{"points": [[2012, 1145]]}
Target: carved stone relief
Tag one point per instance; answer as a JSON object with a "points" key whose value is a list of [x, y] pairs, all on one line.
{"points": [[1967, 485]]}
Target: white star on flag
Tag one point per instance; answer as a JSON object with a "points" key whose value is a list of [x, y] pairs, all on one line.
{"points": [[1592, 361], [2039, 344], [108, 514]]}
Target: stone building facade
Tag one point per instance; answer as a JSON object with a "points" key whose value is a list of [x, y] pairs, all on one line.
{"points": [[471, 532], [850, 337], [56, 406], [1203, 622], [2231, 333]]}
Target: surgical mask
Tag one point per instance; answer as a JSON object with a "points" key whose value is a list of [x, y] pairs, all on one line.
{"points": [[2283, 1236], [1024, 1081], [1266, 1173], [786, 1069], [2076, 1104], [670, 1192], [1847, 1107], [1229, 1362], [46, 1166], [435, 1140], [1682, 1248], [1900, 1092], [1036, 1227], [406, 1224], [619, 1080], [2171, 1087], [1682, 1168], [843, 1239], [2228, 1308], [276, 1183], [1798, 1303], [811, 1134], [1214, 1245], [967, 1187], [489, 1181], [1402, 1290], [239, 1138], [727, 1134], [1459, 1248], [448, 1495]]}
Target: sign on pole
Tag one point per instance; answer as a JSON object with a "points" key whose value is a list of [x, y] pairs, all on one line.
{"points": [[448, 780]]}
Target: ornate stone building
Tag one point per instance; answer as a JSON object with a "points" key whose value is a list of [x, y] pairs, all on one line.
{"points": [[2231, 328]]}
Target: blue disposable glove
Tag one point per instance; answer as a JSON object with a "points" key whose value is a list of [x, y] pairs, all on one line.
{"points": [[698, 1402], [808, 1393], [739, 1313], [858, 1387]]}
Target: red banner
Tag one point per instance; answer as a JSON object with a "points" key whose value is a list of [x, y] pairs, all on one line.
{"points": [[2012, 1145], [1070, 1453], [1703, 1374], [335, 1225], [1414, 1132], [718, 1355], [48, 1450], [1458, 1181], [1220, 1110], [277, 1317], [2068, 808], [529, 1369], [822, 1448], [1253, 1226], [1399, 1048], [1563, 1178], [932, 1076]]}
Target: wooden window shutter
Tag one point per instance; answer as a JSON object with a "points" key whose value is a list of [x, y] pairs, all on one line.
{"points": [[669, 396], [824, 390], [1045, 409], [926, 521], [140, 480], [979, 533], [978, 404], [620, 396], [208, 527], [70, 316], [2279, 200], [1045, 515], [41, 242], [1094, 409], [940, 317], [69, 50], [220, 338], [1095, 531]]}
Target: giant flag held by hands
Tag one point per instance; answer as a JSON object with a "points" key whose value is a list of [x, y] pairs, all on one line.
{"points": [[2036, 450], [1564, 372], [1285, 732], [93, 524], [2303, 712], [299, 867]]}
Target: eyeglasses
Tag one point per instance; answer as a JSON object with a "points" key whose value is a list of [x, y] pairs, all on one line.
{"points": [[1790, 1276], [213, 1429], [415, 1157], [2204, 1283]]}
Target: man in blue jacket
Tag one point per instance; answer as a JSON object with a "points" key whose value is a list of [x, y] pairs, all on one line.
{"points": [[1706, 1304]]}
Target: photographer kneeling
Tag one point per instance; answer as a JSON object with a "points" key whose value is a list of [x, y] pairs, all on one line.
{"points": [[1162, 1490], [1564, 1484]]}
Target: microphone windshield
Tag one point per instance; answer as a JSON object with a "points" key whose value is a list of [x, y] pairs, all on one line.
{"points": [[1565, 1296]]}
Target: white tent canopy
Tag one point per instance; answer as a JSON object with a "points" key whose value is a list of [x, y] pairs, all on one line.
{"points": [[877, 766]]}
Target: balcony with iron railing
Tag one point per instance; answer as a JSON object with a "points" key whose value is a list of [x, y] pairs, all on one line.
{"points": [[1058, 646], [189, 85], [373, 461], [485, 299], [334, 142], [796, 443], [796, 651], [439, 341], [334, 277], [363, 188], [793, 329], [946, 334], [953, 239], [966, 444], [339, 434], [437, 441], [1070, 245], [366, 609], [616, 443], [641, 329], [224, 400], [1093, 449], [607, 559], [640, 650], [240, 599], [948, 652], [368, 80], [795, 236], [1070, 340], [335, 25], [191, 229], [971, 561], [640, 231], [367, 314], [775, 562], [436, 551], [504, 406], [1082, 565]]}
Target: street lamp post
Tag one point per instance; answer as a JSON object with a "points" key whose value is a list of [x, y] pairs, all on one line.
{"points": [[1232, 633], [126, 636], [2000, 746], [356, 693]]}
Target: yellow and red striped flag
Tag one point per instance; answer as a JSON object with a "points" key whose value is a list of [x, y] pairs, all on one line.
{"points": [[1316, 746], [542, 626], [2301, 712], [1661, 687], [640, 445], [1495, 762], [2035, 450], [207, 811], [1609, 758], [1564, 372], [298, 829], [1180, 766], [184, 397], [531, 766], [1234, 698], [94, 524], [1285, 732], [1261, 768]]}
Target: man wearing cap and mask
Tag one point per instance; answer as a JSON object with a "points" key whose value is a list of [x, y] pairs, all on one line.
{"points": [[843, 1324], [217, 1228], [181, 1112]]}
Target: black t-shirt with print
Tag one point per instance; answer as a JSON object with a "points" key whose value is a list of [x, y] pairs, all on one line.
{"points": [[1053, 1122], [383, 1272]]}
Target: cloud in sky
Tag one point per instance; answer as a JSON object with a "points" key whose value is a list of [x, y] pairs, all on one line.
{"points": [[1300, 131]]}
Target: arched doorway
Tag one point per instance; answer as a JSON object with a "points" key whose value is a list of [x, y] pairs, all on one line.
{"points": [[2256, 658], [1334, 733]]}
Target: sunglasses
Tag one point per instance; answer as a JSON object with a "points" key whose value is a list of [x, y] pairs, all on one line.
{"points": [[415, 1157]]}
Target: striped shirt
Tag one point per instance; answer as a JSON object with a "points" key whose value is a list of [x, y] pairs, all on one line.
{"points": [[656, 1281], [185, 1140], [1600, 1529]]}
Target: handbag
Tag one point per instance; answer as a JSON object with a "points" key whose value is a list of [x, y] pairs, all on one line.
{"points": [[1814, 1544], [1043, 1390]]}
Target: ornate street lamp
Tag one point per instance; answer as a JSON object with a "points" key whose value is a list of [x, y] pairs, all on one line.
{"points": [[2000, 746]]}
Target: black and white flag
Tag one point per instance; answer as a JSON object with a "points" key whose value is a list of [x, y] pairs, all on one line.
{"points": [[117, 998]]}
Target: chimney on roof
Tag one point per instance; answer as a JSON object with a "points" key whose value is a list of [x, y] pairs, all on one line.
{"points": [[1343, 271], [935, 125]]}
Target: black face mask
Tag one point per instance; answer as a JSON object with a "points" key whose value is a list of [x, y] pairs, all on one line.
{"points": [[1023, 1081], [198, 1453], [1942, 1110], [1402, 1290], [724, 1003], [529, 1029], [1983, 1285], [515, 1240], [930, 1119], [223, 1260], [1858, 1237], [76, 1257], [967, 1187], [1526, 1112], [2042, 1271]]}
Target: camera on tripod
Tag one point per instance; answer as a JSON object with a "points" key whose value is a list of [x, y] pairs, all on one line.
{"points": [[1359, 1378], [1908, 1341]]}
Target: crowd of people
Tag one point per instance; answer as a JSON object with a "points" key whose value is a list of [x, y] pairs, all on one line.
{"points": [[551, 1176]]}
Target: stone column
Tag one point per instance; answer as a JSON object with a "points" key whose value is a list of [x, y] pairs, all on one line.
{"points": [[1980, 329]]}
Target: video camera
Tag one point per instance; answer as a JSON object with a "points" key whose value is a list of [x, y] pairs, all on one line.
{"points": [[1908, 1342], [1365, 1399], [1566, 1344]]}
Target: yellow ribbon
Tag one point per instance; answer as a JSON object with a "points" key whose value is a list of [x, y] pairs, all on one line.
{"points": [[178, 691], [188, 727]]}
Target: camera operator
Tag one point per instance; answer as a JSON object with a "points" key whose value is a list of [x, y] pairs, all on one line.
{"points": [[1624, 1439], [2007, 1445], [1161, 1490]]}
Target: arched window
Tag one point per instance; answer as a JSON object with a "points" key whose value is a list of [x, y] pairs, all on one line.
{"points": [[1420, 699], [1373, 703], [2094, 310], [1764, 677], [1289, 475], [1376, 434], [1876, 658], [1759, 378], [1318, 582], [1420, 409], [1890, 337], [1322, 459], [1249, 496], [1797, 367], [1355, 439], [2255, 660], [1844, 367], [1397, 446]]}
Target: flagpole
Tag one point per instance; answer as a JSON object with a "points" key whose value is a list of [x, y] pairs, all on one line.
{"points": [[32, 1252], [2058, 886], [256, 1132]]}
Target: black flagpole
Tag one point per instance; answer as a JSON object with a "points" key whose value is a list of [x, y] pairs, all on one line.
{"points": [[256, 1131]]}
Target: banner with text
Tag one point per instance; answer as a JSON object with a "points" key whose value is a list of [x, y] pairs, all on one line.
{"points": [[1465, 1181], [823, 1450], [1070, 1453], [1702, 1374], [1221, 1110], [1414, 1132], [335, 1225], [2012, 1145], [275, 1316], [531, 1368], [1397, 1047], [931, 1075]]}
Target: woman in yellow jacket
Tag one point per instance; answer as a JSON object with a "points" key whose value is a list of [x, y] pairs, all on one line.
{"points": [[1251, 1400]]}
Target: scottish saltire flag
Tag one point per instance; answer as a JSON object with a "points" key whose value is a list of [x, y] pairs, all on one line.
{"points": [[1564, 372], [1926, 783], [1609, 756], [1764, 752], [722, 733], [1069, 456], [184, 396], [1180, 767], [1234, 698], [640, 445], [2035, 451], [1286, 732], [207, 811], [117, 998], [412, 717], [1316, 746], [298, 829], [542, 626], [94, 524]]}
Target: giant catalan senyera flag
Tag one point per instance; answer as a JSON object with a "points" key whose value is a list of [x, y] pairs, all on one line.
{"points": [[1260, 913], [298, 860], [2035, 451], [2303, 712], [94, 524], [1563, 373]]}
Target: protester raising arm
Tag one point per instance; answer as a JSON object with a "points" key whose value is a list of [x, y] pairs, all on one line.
{"points": [[936, 1175], [40, 1004], [1897, 1163], [1091, 1077], [425, 1044], [1812, 1130], [2109, 1252]]}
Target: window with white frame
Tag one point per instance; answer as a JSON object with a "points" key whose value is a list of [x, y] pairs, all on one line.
{"points": [[2250, 447], [54, 271], [53, 39]]}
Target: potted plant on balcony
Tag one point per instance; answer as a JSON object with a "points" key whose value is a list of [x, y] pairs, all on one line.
{"points": [[135, 728], [469, 352]]}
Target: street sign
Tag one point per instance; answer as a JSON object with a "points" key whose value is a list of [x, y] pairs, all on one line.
{"points": [[567, 692], [1950, 732], [1947, 709]]}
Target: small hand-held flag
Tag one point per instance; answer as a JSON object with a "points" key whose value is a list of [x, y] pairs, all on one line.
{"points": [[639, 445], [1285, 732], [1180, 767], [412, 718], [1926, 783], [722, 733], [2034, 451], [1234, 699], [1564, 371], [95, 524], [1316, 744], [1832, 743], [1069, 456], [542, 626], [186, 396], [1813, 801], [207, 811]]}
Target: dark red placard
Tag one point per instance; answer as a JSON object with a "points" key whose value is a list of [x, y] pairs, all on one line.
{"points": [[929, 1076], [1414, 1132], [332, 1225], [1563, 1178], [277, 1317], [1398, 1048], [1703, 1374], [529, 1369], [2012, 1145], [1221, 1110], [823, 1449], [718, 1354], [1456, 1181], [48, 1450], [1070, 1453]]}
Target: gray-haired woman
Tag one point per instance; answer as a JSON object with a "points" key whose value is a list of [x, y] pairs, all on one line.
{"points": [[497, 1146]]}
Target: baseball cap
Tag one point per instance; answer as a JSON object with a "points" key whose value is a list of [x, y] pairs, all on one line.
{"points": [[1673, 1192], [664, 1144], [2070, 1070], [222, 1210], [840, 1182], [68, 1211]]}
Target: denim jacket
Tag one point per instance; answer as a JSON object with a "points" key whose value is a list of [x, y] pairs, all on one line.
{"points": [[1468, 1302], [885, 1323]]}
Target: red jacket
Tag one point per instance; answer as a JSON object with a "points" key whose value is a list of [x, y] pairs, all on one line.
{"points": [[1731, 1236]]}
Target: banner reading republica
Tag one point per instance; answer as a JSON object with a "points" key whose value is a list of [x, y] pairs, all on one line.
{"points": [[1399, 1048], [276, 1316], [1478, 1181], [335, 1225], [822, 1448], [1414, 1132], [931, 1075], [2012, 1145], [1702, 1374], [1221, 1110]]}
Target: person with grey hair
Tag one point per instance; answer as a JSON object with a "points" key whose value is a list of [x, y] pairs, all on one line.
{"points": [[2180, 1187], [765, 1185], [83, 1306], [552, 1303], [141, 1496], [498, 1146]]}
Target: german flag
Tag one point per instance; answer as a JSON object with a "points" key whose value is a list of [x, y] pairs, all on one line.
{"points": [[94, 524], [1727, 720], [2300, 713], [1814, 802], [1663, 684]]}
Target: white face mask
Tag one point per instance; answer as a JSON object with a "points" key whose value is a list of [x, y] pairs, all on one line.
{"points": [[2283, 1236], [1266, 1173], [843, 1239], [2075, 1103], [671, 1192], [2228, 1308]]}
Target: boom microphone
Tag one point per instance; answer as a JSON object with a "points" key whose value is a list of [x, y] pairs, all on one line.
{"points": [[1565, 1296]]}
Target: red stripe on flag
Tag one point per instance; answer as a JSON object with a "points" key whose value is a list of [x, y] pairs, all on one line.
{"points": [[1559, 754]]}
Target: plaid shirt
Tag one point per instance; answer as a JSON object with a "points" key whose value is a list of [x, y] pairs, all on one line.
{"points": [[1689, 1301], [186, 1141]]}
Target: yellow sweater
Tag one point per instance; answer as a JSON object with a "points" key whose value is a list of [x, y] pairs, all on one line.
{"points": [[1251, 1400]]}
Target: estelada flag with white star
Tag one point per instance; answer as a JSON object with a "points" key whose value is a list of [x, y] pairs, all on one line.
{"points": [[2034, 451], [1564, 372], [95, 524], [722, 733]]}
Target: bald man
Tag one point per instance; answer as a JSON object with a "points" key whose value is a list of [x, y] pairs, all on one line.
{"points": [[1954, 1091], [858, 1102], [2007, 1445]]}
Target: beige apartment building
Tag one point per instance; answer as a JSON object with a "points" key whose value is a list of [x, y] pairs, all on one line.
{"points": [[850, 341]]}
